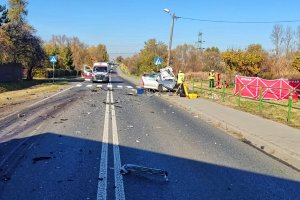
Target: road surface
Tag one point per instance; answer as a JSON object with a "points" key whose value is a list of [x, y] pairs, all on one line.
{"points": [[73, 145]]}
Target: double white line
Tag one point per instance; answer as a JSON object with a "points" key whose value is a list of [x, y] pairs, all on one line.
{"points": [[102, 183]]}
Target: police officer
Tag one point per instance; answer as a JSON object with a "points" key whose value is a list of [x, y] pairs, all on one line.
{"points": [[211, 77]]}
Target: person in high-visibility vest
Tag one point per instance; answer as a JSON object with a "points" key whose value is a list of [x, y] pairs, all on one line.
{"points": [[180, 81], [180, 77], [211, 77]]}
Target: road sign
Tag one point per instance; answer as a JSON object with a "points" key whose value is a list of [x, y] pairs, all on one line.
{"points": [[158, 61], [53, 59]]}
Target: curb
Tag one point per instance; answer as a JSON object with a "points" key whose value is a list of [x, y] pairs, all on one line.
{"points": [[283, 155]]}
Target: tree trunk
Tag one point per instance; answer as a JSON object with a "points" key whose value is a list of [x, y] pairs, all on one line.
{"points": [[29, 73]]}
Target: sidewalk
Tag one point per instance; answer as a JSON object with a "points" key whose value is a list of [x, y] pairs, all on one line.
{"points": [[278, 140]]}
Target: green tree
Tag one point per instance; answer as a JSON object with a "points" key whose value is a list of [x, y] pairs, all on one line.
{"points": [[17, 11], [98, 53], [296, 63], [3, 15], [152, 49], [25, 47], [67, 58], [247, 63]]}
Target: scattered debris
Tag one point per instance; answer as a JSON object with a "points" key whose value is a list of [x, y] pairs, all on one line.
{"points": [[129, 126], [262, 147], [5, 178], [137, 141], [21, 115], [63, 119], [118, 106], [127, 168], [93, 105], [196, 116], [36, 159], [152, 112]]}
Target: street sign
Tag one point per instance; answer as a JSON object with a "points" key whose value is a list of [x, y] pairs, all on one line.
{"points": [[53, 59], [158, 61]]}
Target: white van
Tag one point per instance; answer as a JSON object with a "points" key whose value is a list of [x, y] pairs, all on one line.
{"points": [[100, 72]]}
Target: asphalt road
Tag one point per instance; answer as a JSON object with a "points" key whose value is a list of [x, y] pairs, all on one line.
{"points": [[72, 146]]}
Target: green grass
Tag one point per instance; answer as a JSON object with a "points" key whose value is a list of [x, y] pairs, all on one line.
{"points": [[25, 84]]}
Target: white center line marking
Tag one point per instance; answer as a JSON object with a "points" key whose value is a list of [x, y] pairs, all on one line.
{"points": [[102, 183], [119, 189]]}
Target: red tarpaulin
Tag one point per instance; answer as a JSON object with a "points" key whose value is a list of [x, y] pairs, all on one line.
{"points": [[277, 89]]}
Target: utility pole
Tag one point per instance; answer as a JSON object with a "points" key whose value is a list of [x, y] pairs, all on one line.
{"points": [[171, 38], [171, 33]]}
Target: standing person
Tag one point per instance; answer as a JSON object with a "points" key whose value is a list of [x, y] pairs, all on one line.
{"points": [[211, 77], [180, 81], [180, 77]]}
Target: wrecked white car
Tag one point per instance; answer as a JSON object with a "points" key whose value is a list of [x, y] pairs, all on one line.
{"points": [[160, 81]]}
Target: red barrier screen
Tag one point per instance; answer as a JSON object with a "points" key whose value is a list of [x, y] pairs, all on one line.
{"points": [[277, 89]]}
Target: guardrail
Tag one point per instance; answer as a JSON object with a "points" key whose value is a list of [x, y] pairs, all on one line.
{"points": [[222, 94]]}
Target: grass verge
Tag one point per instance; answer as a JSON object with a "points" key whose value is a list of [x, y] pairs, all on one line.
{"points": [[270, 109]]}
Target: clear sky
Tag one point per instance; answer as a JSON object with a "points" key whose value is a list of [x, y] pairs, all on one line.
{"points": [[124, 25]]}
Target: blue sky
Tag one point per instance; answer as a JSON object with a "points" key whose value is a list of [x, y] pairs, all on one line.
{"points": [[124, 25]]}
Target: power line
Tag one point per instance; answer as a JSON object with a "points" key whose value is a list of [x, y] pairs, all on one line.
{"points": [[240, 22]]}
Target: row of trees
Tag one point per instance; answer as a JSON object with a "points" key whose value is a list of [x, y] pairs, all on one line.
{"points": [[20, 44], [251, 61], [72, 53]]}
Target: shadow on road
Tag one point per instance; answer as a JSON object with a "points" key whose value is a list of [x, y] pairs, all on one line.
{"points": [[56, 166]]}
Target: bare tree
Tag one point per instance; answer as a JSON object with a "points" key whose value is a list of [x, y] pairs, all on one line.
{"points": [[298, 38], [277, 38], [288, 40]]}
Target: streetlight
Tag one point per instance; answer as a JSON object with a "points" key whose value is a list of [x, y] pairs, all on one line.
{"points": [[171, 34]]}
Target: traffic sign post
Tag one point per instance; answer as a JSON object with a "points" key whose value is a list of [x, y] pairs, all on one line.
{"points": [[53, 59], [158, 61]]}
